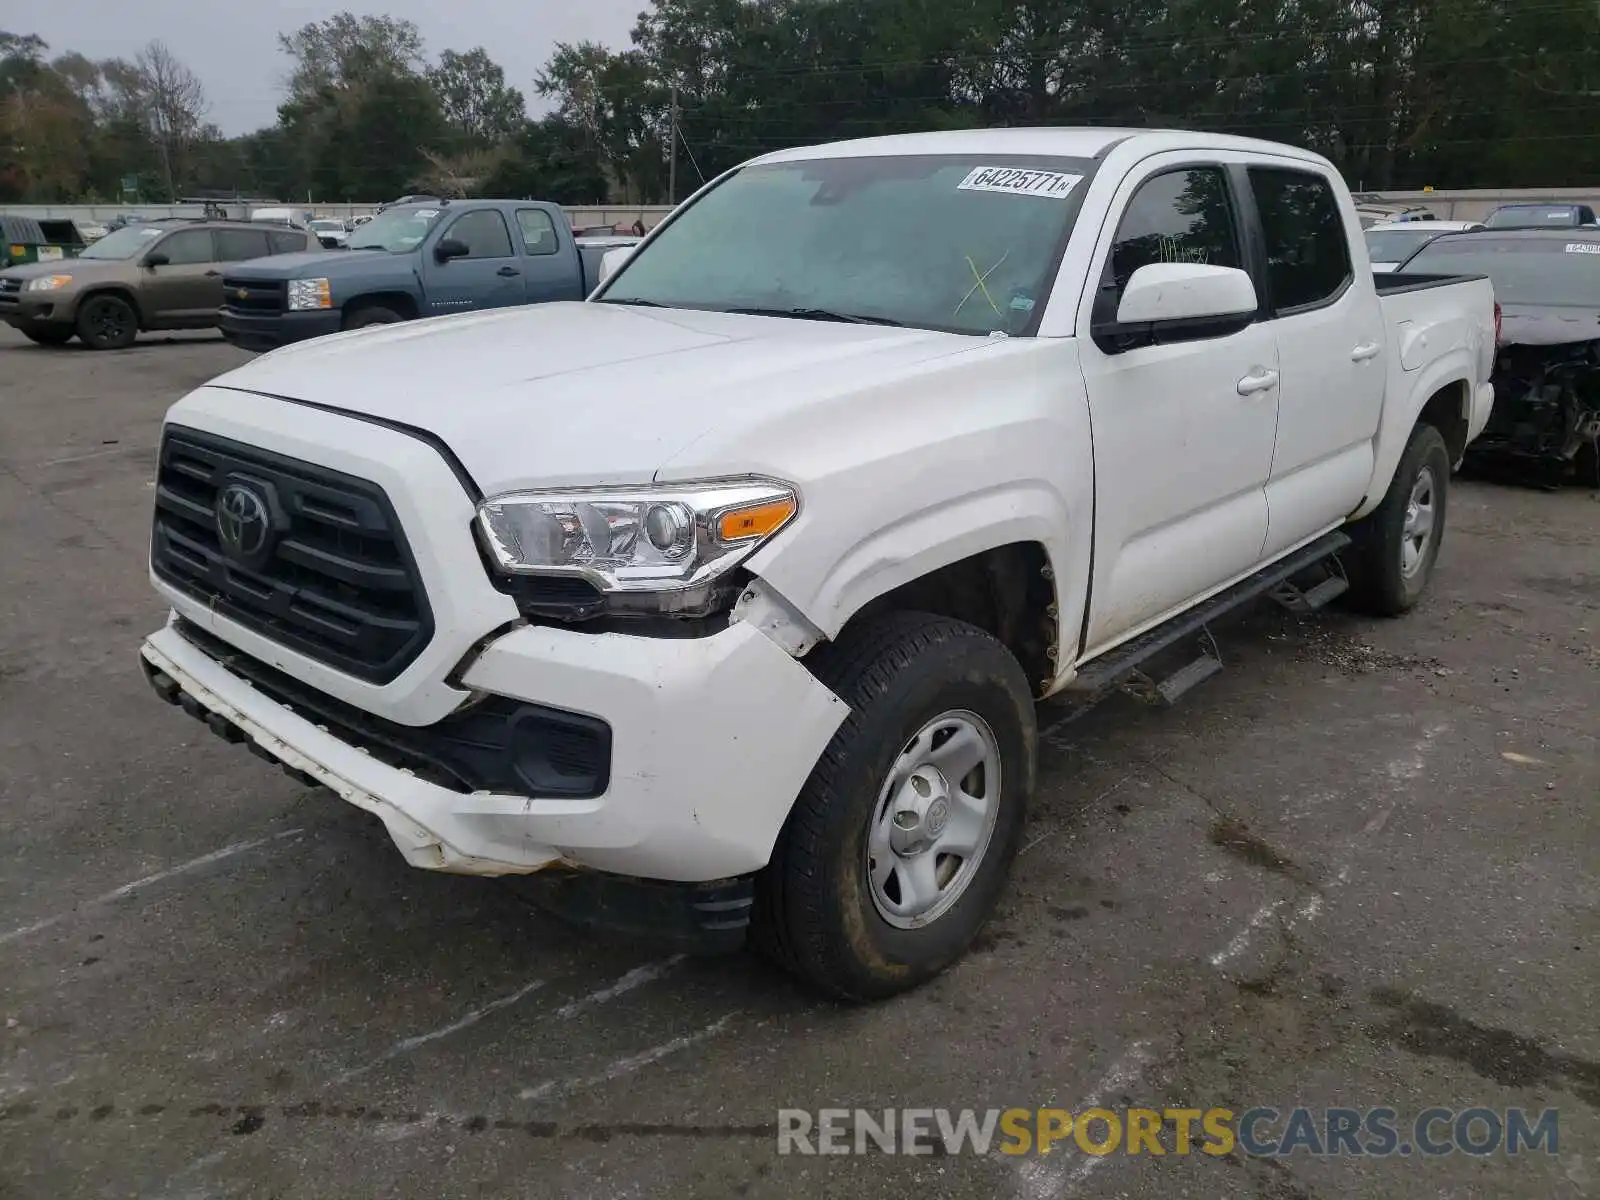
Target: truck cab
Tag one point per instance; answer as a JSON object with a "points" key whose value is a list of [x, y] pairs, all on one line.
{"points": [[410, 261], [744, 575]]}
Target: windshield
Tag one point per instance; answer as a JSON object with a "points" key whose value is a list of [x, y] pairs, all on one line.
{"points": [[960, 244], [1524, 215], [1396, 245], [397, 230], [1526, 270], [124, 243]]}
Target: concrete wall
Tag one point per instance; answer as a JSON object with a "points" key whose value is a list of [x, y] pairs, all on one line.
{"points": [[1446, 205], [104, 212]]}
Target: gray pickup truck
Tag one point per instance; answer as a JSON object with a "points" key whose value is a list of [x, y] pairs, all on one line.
{"points": [[412, 260]]}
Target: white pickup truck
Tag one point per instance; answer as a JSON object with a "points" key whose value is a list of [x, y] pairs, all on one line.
{"points": [[738, 582]]}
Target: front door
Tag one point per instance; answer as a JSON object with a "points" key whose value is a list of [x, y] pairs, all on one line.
{"points": [[186, 289], [1183, 432], [489, 276]]}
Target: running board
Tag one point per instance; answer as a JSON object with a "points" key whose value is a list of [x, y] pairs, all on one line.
{"points": [[1120, 664]]}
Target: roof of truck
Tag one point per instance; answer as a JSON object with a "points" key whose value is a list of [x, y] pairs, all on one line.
{"points": [[1046, 141]]}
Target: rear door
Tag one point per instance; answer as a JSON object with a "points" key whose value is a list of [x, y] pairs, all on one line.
{"points": [[1329, 331], [552, 270], [490, 276], [1183, 431], [241, 245], [187, 288]]}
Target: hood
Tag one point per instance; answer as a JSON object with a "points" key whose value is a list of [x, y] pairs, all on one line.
{"points": [[1548, 324], [334, 264], [574, 393], [78, 268]]}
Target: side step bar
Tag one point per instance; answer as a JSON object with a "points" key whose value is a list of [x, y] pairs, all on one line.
{"points": [[1120, 664]]}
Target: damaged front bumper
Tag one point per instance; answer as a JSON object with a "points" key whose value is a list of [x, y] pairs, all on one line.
{"points": [[712, 739]]}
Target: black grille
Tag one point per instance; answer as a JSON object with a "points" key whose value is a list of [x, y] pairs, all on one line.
{"points": [[335, 581], [496, 745], [9, 292], [252, 296]]}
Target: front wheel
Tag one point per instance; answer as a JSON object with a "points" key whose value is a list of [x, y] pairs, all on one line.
{"points": [[1396, 545], [373, 314], [107, 323], [898, 847]]}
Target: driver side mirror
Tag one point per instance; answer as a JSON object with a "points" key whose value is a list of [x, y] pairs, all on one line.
{"points": [[1173, 302], [449, 248], [156, 259]]}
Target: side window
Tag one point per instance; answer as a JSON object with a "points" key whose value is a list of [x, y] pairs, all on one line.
{"points": [[538, 231], [1182, 216], [285, 241], [236, 245], [484, 233], [1308, 258], [188, 248]]}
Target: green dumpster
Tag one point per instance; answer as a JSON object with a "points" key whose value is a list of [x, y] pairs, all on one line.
{"points": [[26, 240]]}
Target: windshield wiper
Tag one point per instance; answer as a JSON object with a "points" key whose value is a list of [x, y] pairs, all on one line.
{"points": [[817, 314], [636, 303]]}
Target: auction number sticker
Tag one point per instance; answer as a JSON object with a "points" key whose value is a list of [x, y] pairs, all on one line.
{"points": [[1020, 181], [1583, 247]]}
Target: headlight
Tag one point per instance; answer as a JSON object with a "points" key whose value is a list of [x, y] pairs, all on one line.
{"points": [[47, 283], [672, 538], [309, 293]]}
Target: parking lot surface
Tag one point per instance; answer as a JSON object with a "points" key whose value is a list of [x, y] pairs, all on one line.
{"points": [[1357, 869]]}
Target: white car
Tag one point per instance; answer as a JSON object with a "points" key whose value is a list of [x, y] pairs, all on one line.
{"points": [[1390, 244], [330, 231], [744, 575]]}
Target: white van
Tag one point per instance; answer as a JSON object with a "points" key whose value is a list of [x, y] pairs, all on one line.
{"points": [[293, 218]]}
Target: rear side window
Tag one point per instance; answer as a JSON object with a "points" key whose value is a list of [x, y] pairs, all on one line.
{"points": [[284, 241], [484, 233], [1179, 217], [191, 247], [236, 245], [538, 231], [1308, 259]]}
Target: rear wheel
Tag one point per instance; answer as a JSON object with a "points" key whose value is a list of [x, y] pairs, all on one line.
{"points": [[48, 336], [107, 323], [897, 849], [1396, 545], [372, 315]]}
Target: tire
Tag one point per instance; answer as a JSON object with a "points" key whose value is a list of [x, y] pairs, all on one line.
{"points": [[49, 336], [1387, 567], [107, 323], [373, 314], [910, 680]]}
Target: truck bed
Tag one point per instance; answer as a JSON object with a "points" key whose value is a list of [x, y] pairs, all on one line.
{"points": [[1395, 282]]}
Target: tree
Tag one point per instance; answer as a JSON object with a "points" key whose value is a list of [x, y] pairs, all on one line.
{"points": [[173, 103], [478, 107], [346, 50]]}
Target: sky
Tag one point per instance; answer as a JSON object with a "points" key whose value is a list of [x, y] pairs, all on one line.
{"points": [[233, 47]]}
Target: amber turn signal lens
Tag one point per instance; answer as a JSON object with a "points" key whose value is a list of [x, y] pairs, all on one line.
{"points": [[758, 520]]}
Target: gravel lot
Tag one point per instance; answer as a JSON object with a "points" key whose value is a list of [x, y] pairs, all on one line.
{"points": [[1358, 868]]}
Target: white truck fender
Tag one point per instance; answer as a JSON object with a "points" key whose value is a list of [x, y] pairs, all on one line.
{"points": [[1458, 369]]}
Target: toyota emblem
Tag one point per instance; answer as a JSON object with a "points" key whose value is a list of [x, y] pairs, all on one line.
{"points": [[243, 521]]}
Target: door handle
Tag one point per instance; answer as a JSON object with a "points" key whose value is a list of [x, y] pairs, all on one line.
{"points": [[508, 271], [1258, 381], [1365, 351]]}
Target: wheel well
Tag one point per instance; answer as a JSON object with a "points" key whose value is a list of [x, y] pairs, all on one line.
{"points": [[120, 293], [1008, 591], [399, 301], [1446, 411]]}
